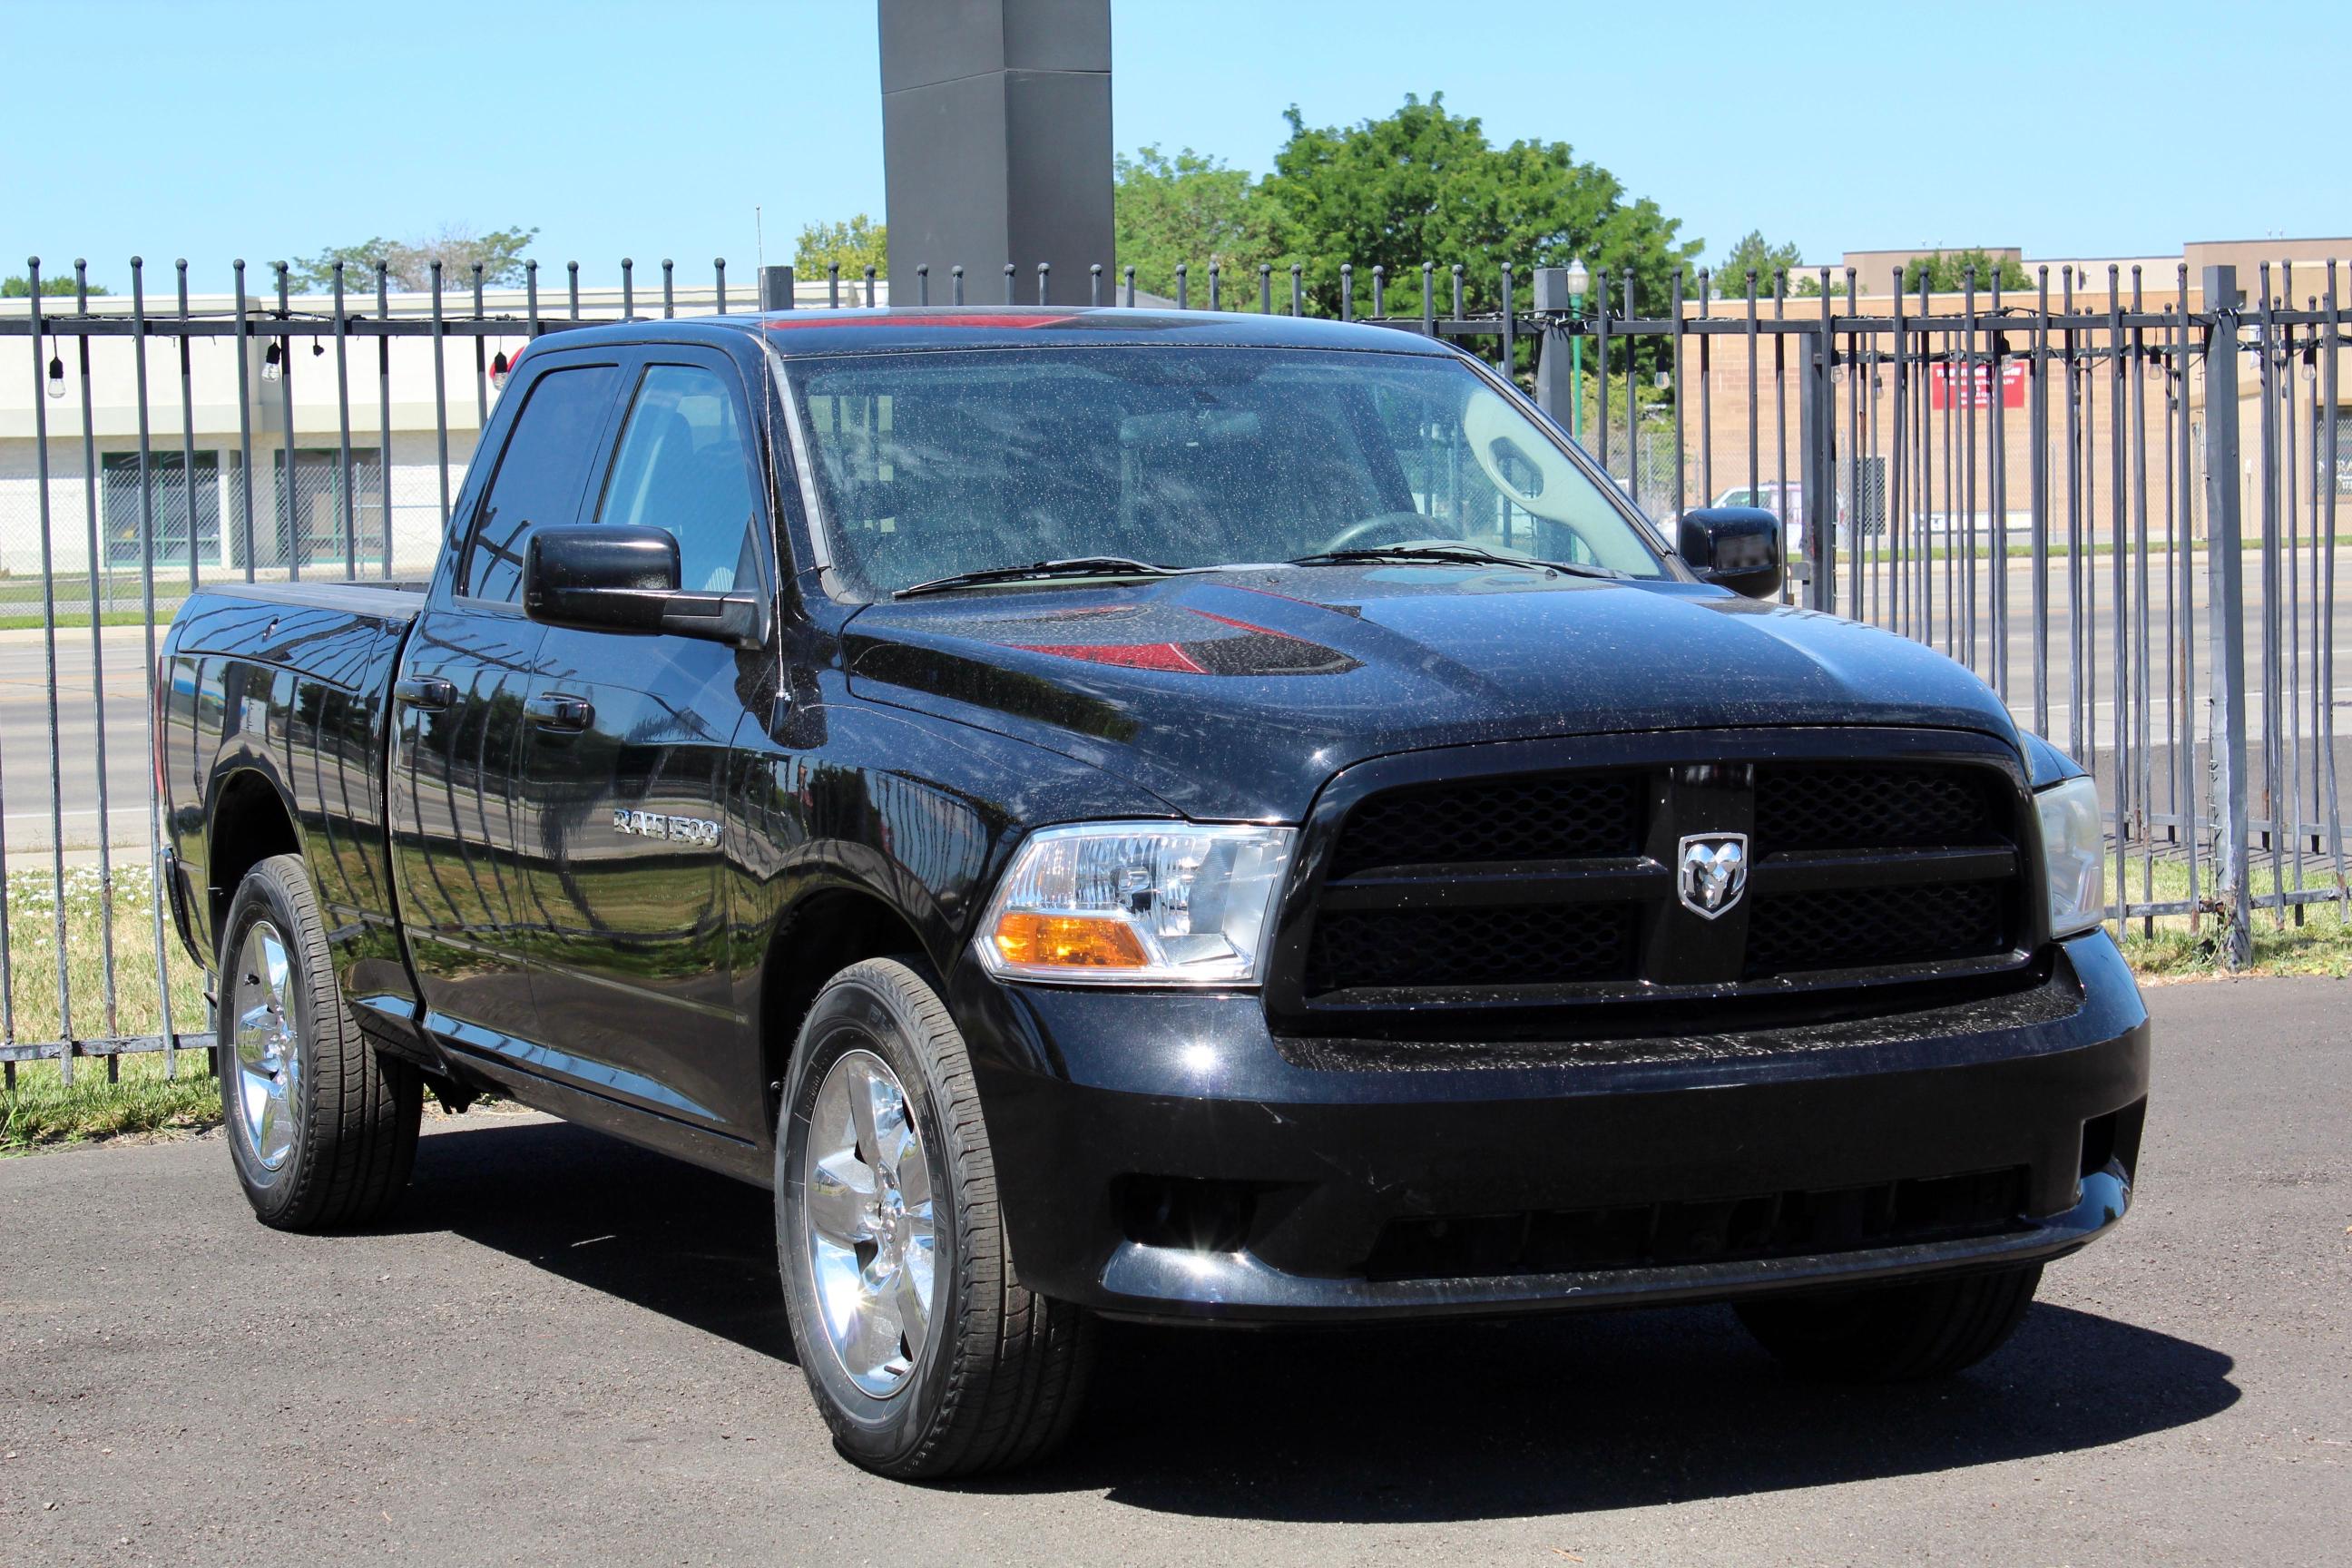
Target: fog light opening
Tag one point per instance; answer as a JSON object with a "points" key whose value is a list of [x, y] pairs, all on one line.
{"points": [[1188, 1211]]}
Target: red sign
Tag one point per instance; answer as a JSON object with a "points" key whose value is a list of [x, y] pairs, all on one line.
{"points": [[1970, 386]]}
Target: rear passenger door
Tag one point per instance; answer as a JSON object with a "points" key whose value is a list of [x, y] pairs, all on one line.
{"points": [[459, 704], [624, 769]]}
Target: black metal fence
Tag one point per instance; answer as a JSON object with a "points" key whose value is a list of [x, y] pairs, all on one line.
{"points": [[2116, 499]]}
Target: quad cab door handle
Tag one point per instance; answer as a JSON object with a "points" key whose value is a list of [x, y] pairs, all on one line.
{"points": [[426, 693], [569, 715]]}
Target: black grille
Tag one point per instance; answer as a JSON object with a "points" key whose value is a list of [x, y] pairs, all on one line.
{"points": [[1843, 806], [1856, 928], [1478, 893], [1565, 816], [1718, 1230], [1523, 944]]}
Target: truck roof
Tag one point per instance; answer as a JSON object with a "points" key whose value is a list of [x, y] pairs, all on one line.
{"points": [[831, 332]]}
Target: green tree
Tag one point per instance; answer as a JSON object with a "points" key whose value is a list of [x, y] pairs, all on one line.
{"points": [[1194, 210], [410, 265], [855, 244], [20, 286], [1425, 184], [1754, 252], [1945, 271]]}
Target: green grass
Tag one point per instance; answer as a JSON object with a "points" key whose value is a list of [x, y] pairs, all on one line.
{"points": [[41, 1109], [2314, 940]]}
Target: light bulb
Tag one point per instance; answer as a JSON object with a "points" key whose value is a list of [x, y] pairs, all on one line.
{"points": [[56, 377], [273, 363]]}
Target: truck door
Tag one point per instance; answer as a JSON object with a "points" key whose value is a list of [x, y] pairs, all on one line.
{"points": [[624, 768], [459, 703]]}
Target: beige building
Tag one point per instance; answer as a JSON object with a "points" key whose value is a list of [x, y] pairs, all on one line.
{"points": [[193, 406], [1953, 409]]}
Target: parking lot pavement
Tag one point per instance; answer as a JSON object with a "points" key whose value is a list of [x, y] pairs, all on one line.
{"points": [[567, 1350]]}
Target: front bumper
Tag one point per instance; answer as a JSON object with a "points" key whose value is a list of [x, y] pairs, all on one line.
{"points": [[1301, 1174]]}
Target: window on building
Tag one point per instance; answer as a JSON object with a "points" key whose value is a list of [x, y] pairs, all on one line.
{"points": [[176, 504], [685, 466], [314, 513]]}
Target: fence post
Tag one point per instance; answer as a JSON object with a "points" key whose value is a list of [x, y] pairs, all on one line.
{"points": [[2225, 568], [1817, 437], [1553, 393], [775, 288]]}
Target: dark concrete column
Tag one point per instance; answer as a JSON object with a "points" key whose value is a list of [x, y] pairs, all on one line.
{"points": [[997, 146]]}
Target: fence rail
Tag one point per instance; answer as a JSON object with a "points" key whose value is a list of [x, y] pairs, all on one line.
{"points": [[2114, 498]]}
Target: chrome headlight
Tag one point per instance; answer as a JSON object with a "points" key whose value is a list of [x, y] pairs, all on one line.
{"points": [[2073, 855], [1137, 903]]}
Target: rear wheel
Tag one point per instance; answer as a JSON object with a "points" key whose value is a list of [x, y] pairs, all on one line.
{"points": [[926, 1354], [1895, 1333], [322, 1126]]}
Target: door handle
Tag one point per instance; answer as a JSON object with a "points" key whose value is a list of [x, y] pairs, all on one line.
{"points": [[426, 693], [549, 710]]}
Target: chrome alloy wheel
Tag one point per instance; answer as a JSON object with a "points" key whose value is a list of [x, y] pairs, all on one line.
{"points": [[268, 1064], [866, 1198]]}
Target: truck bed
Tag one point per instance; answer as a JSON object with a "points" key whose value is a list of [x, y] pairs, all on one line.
{"points": [[285, 687]]}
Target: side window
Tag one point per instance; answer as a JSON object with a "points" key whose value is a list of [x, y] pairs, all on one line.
{"points": [[540, 475], [683, 466]]}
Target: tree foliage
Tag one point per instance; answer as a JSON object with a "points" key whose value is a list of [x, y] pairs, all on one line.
{"points": [[1425, 184], [854, 246], [1947, 271], [1754, 253], [410, 265], [20, 286], [1195, 211]]}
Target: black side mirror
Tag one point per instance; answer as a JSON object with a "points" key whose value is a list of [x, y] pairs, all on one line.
{"points": [[626, 580], [1736, 546]]}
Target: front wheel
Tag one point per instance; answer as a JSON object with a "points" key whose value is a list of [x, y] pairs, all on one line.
{"points": [[322, 1126], [1895, 1333], [926, 1354]]}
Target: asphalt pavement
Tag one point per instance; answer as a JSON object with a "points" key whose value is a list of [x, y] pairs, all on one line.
{"points": [[566, 1351]]}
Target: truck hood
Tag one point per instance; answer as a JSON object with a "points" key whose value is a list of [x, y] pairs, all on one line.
{"points": [[1235, 695]]}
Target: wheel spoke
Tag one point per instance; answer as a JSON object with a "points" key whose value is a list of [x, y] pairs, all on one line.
{"points": [[914, 1175], [270, 1136], [840, 1195], [863, 1089], [912, 1294], [874, 1339]]}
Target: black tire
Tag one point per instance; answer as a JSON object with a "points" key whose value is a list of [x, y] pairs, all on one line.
{"points": [[355, 1110], [1004, 1371], [1895, 1333]]}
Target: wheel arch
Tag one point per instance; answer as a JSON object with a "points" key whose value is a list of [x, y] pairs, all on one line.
{"points": [[250, 820], [823, 933]]}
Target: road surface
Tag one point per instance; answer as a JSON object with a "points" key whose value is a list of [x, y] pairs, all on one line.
{"points": [[565, 1351], [24, 794]]}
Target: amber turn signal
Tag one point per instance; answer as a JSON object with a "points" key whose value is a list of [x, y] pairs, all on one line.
{"points": [[1068, 942]]}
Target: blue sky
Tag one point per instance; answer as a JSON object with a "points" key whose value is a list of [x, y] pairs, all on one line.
{"points": [[213, 130]]}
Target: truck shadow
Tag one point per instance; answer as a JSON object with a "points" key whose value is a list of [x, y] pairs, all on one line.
{"points": [[1392, 1425]]}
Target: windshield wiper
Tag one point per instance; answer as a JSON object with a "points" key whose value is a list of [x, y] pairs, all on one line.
{"points": [[1041, 571], [1459, 554]]}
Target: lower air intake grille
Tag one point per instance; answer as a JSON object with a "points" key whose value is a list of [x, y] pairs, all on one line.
{"points": [[1716, 1230]]}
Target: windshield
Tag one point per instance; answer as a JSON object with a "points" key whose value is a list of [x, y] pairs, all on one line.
{"points": [[930, 464]]}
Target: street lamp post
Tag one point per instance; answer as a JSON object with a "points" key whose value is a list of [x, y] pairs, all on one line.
{"points": [[1579, 279]]}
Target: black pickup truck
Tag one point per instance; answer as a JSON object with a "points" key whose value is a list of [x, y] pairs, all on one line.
{"points": [[1174, 816]]}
